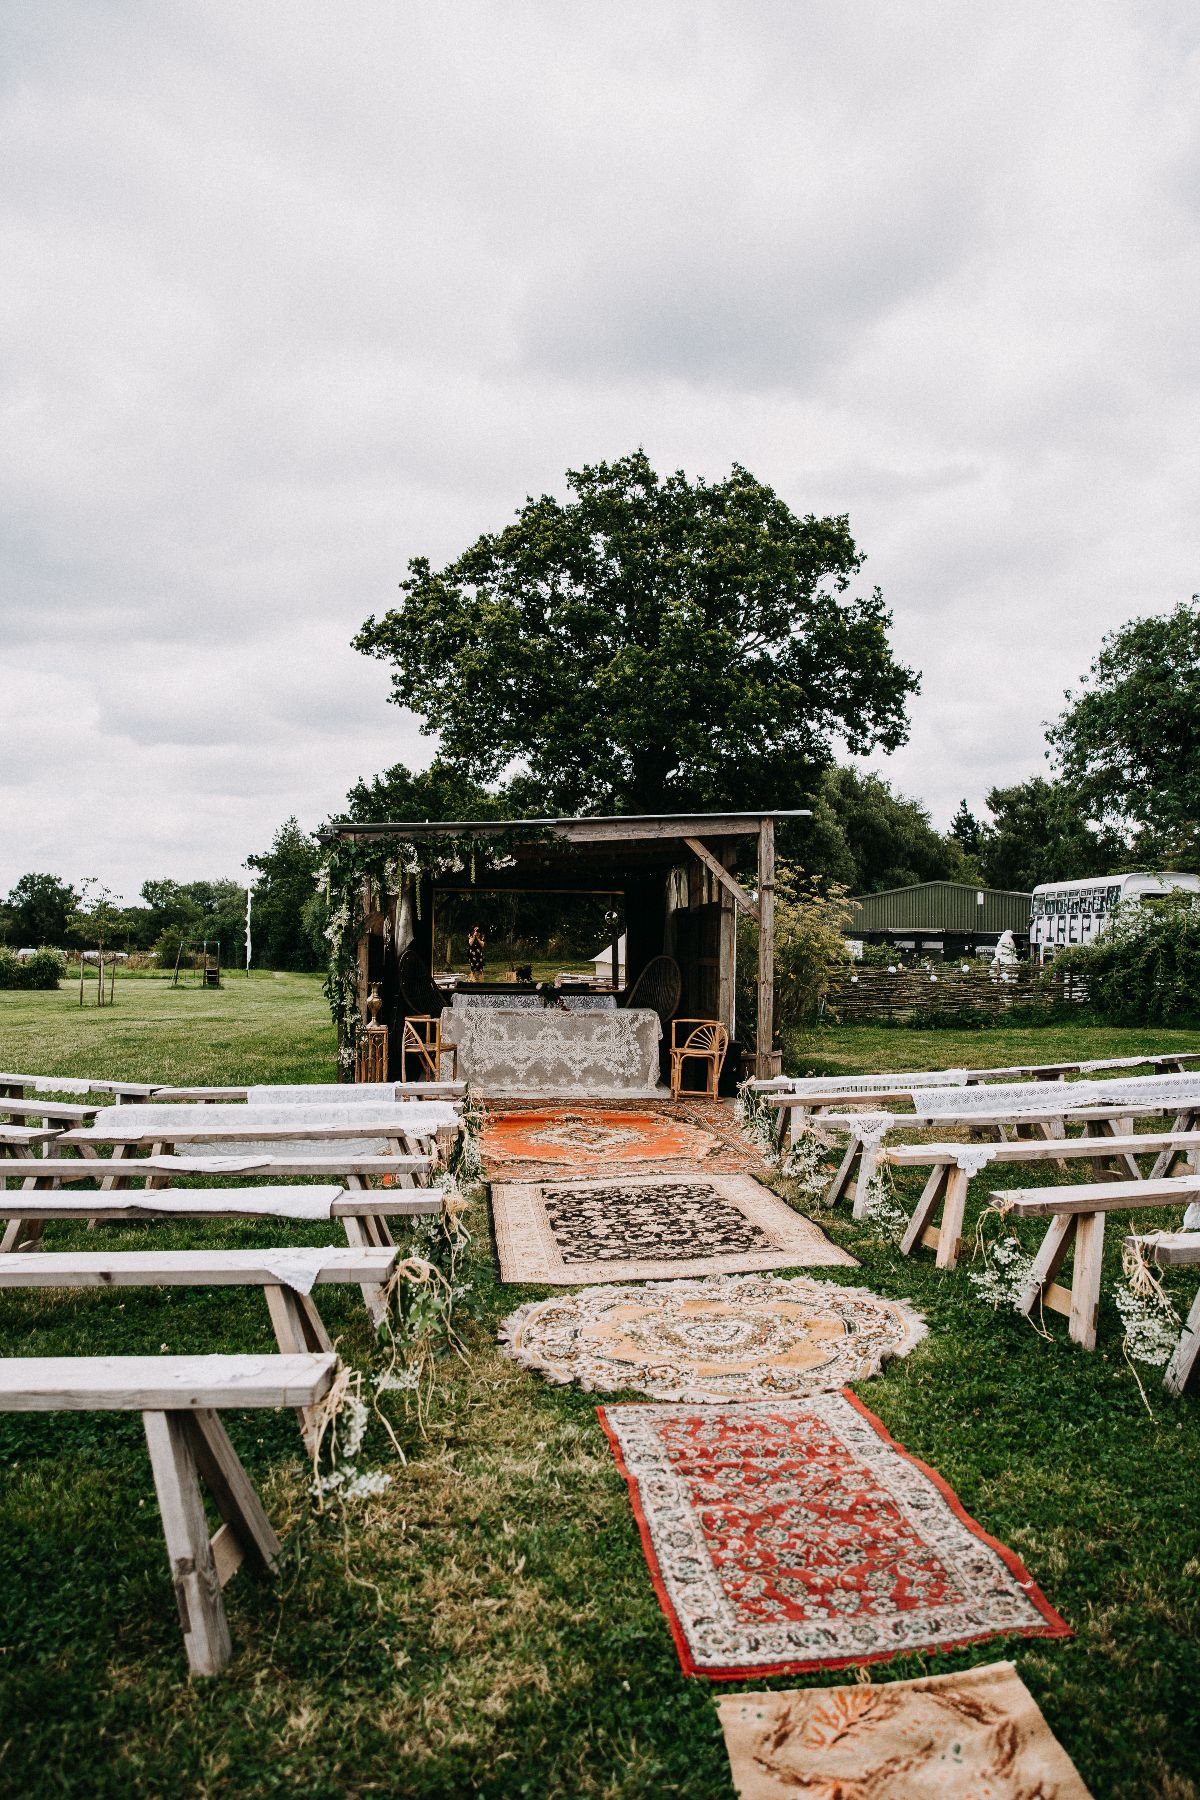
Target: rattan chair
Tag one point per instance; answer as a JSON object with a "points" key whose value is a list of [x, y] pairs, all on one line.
{"points": [[704, 1040], [421, 1036]]}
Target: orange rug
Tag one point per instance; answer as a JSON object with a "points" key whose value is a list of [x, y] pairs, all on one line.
{"points": [[596, 1140]]}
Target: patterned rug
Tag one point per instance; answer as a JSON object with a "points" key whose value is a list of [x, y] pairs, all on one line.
{"points": [[947, 1737], [729, 1337], [538, 1142], [796, 1534], [650, 1228]]}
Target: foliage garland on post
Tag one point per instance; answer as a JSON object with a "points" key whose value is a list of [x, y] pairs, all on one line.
{"points": [[392, 866]]}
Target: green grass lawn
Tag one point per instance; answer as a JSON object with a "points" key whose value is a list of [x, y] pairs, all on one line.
{"points": [[486, 1625]]}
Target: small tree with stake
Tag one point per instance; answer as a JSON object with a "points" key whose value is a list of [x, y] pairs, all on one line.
{"points": [[93, 922]]}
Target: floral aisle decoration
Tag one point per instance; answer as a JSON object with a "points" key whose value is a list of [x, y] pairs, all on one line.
{"points": [[755, 1120], [1004, 1278], [881, 1208], [1152, 1325]]}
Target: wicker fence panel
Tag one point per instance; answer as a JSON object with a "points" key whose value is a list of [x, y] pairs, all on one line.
{"points": [[865, 994]]}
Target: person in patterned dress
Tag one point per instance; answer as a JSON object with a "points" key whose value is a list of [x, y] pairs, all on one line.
{"points": [[476, 946]]}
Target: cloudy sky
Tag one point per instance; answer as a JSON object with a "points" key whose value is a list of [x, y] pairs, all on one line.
{"points": [[294, 292]]}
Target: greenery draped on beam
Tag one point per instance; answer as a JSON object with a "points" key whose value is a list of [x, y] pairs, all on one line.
{"points": [[391, 866]]}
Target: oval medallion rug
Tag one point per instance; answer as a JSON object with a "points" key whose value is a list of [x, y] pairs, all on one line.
{"points": [[726, 1337]]}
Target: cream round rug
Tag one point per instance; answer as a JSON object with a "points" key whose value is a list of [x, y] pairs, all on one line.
{"points": [[726, 1337]]}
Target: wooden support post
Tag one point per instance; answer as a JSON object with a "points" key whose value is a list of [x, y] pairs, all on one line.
{"points": [[357, 1229], [1085, 1279], [189, 1551], [950, 1234], [841, 1180], [727, 963], [298, 1330], [926, 1207], [1082, 1300], [868, 1162], [1183, 1360], [766, 1061]]}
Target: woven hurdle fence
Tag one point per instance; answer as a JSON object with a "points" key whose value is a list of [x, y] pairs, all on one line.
{"points": [[863, 994]]}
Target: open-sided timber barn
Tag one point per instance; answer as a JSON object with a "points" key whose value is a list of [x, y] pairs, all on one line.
{"points": [[673, 871]]}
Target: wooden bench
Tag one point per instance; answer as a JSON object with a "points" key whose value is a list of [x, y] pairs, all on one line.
{"points": [[15, 1138], [953, 1166], [866, 1133], [59, 1112], [399, 1090], [346, 1167], [1176, 1250], [17, 1087], [363, 1215], [1076, 1216], [159, 1141], [294, 1317], [179, 1398]]}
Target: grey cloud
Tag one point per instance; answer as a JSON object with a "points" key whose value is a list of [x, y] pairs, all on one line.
{"points": [[285, 307]]}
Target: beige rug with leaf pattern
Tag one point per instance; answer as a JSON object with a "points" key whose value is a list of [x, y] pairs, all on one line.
{"points": [[975, 1736]]}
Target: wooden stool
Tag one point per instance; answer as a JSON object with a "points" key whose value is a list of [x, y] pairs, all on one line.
{"points": [[706, 1042]]}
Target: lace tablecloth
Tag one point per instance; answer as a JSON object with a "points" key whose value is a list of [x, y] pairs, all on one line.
{"points": [[515, 1052]]}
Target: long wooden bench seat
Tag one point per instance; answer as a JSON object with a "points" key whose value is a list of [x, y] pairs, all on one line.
{"points": [[179, 1398], [866, 1130], [1176, 1250], [314, 1093], [346, 1167], [1076, 1216], [952, 1167], [17, 1087], [363, 1215], [15, 1138], [285, 1276], [59, 1112]]}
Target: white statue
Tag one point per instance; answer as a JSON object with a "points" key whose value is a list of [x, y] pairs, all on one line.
{"points": [[1004, 957]]}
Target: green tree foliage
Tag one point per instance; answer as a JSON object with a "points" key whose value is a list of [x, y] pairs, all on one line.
{"points": [[1145, 969], [40, 971], [1128, 747], [184, 914], [966, 830], [283, 914], [811, 918], [650, 644], [442, 791], [866, 838], [1038, 833], [39, 909]]}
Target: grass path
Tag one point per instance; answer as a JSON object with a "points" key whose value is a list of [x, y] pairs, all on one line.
{"points": [[486, 1626]]}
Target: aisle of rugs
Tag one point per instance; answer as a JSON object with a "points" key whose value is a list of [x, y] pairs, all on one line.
{"points": [[784, 1530]]}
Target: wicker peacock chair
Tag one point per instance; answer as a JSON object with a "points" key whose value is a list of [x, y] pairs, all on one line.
{"points": [[420, 994], [659, 987]]}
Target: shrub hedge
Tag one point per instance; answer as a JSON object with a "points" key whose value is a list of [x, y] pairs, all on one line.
{"points": [[1146, 968], [40, 971]]}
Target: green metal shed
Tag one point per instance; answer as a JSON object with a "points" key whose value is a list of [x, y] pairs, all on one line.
{"points": [[950, 910]]}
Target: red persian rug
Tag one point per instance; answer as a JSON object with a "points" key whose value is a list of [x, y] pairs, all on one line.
{"points": [[784, 1536]]}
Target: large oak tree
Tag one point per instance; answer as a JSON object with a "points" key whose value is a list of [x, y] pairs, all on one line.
{"points": [[649, 644], [1128, 745]]}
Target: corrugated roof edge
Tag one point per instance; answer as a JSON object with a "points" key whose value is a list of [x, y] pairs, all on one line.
{"points": [[967, 887]]}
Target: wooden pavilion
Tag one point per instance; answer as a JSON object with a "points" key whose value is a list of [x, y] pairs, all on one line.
{"points": [[673, 872]]}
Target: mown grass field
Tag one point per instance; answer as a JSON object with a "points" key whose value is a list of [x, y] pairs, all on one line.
{"points": [[486, 1625]]}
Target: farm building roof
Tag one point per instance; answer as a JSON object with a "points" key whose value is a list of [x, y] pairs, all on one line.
{"points": [[942, 906]]}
